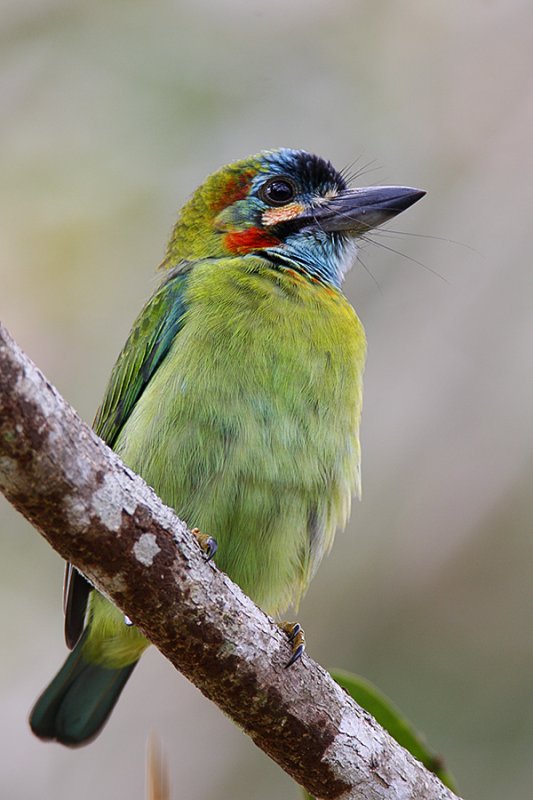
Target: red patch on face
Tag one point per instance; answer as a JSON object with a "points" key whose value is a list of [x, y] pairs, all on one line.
{"points": [[241, 242], [236, 188]]}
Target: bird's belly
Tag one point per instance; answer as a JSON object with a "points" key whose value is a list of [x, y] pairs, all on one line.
{"points": [[249, 429]]}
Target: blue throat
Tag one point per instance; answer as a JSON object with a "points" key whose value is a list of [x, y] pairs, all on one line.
{"points": [[320, 255]]}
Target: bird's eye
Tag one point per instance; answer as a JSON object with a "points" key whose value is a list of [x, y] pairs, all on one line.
{"points": [[278, 191]]}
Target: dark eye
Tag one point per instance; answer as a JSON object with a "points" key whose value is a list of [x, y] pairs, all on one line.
{"points": [[278, 191]]}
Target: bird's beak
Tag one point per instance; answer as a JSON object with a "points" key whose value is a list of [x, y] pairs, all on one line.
{"points": [[355, 211]]}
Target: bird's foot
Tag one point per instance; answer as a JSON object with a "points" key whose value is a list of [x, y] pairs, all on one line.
{"points": [[295, 632], [206, 542]]}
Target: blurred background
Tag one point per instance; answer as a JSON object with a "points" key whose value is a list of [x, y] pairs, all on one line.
{"points": [[112, 113]]}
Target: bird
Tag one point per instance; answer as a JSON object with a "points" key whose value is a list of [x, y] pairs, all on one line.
{"points": [[237, 397]]}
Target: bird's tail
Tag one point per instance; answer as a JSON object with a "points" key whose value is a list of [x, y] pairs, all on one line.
{"points": [[77, 703]]}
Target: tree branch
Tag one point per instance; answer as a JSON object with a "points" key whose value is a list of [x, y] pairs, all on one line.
{"points": [[101, 516]]}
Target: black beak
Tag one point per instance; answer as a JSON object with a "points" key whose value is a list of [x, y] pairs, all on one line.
{"points": [[356, 211]]}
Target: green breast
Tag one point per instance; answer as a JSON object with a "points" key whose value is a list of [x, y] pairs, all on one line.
{"points": [[249, 428]]}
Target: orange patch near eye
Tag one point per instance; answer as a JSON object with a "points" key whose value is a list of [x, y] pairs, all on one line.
{"points": [[241, 242], [282, 214], [235, 188]]}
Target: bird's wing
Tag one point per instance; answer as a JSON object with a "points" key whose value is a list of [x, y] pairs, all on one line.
{"points": [[147, 345]]}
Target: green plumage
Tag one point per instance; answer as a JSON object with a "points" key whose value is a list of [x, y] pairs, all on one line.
{"points": [[237, 397], [258, 402], [79, 700]]}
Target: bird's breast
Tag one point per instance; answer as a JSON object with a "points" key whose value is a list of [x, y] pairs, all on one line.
{"points": [[249, 427], [272, 339], [263, 382]]}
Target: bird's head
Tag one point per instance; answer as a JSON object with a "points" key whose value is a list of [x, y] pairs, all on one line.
{"points": [[289, 206]]}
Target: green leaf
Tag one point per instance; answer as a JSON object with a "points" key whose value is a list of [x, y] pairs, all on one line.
{"points": [[390, 717]]}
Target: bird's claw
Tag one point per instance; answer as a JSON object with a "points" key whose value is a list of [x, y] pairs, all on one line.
{"points": [[296, 636], [206, 542]]}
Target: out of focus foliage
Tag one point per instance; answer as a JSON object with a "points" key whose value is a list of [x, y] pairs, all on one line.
{"points": [[391, 718]]}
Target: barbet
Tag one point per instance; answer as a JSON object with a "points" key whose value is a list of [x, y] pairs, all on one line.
{"points": [[237, 397]]}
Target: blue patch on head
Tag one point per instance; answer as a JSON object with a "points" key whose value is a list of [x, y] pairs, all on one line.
{"points": [[313, 175]]}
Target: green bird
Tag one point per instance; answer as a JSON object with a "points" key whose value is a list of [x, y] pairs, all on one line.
{"points": [[237, 397]]}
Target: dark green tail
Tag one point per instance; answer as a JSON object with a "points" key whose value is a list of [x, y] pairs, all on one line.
{"points": [[76, 705]]}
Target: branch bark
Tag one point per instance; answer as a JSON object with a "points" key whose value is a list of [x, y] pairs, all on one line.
{"points": [[101, 516]]}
